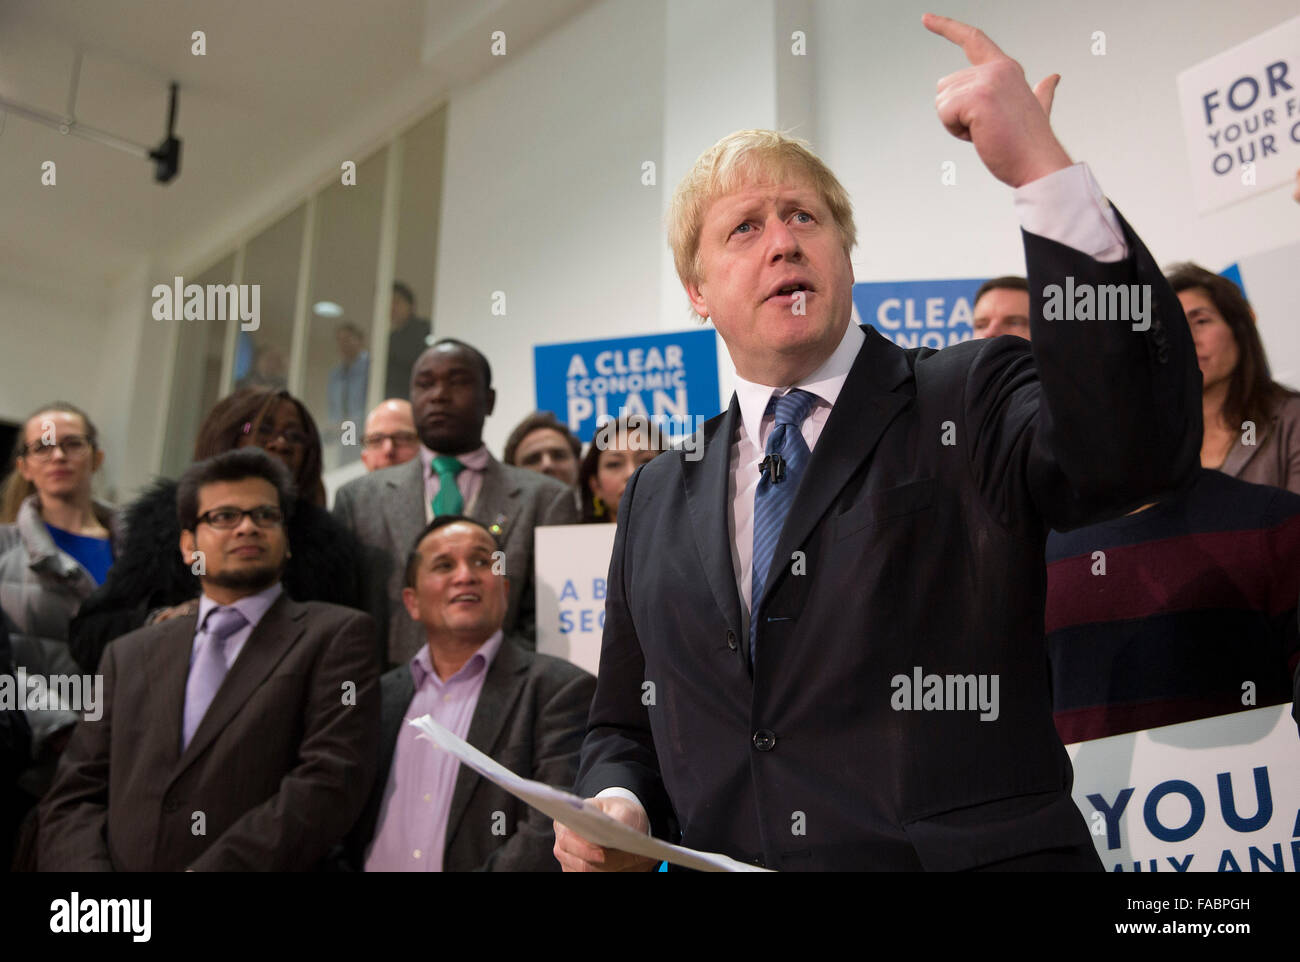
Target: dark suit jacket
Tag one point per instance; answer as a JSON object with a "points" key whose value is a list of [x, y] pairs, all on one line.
{"points": [[530, 717], [280, 765], [385, 510], [916, 553]]}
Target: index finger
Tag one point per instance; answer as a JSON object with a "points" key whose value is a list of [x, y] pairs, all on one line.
{"points": [[977, 46]]}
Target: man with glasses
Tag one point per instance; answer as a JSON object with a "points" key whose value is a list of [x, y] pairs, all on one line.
{"points": [[390, 437], [242, 737]]}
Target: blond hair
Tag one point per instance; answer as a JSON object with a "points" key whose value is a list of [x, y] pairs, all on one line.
{"points": [[16, 489], [738, 159]]}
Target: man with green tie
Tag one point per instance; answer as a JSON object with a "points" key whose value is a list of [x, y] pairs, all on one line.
{"points": [[451, 397]]}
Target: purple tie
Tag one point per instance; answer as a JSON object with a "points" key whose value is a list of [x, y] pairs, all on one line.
{"points": [[209, 667]]}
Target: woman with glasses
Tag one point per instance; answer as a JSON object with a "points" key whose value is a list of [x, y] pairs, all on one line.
{"points": [[59, 547], [151, 582]]}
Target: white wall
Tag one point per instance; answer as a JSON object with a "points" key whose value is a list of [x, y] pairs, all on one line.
{"points": [[876, 74], [53, 339], [543, 198]]}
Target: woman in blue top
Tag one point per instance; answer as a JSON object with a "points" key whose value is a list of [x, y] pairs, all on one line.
{"points": [[56, 552]]}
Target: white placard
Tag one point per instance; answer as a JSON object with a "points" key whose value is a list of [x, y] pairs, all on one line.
{"points": [[1216, 795], [1241, 117], [571, 562]]}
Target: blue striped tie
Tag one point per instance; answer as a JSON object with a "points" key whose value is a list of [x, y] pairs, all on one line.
{"points": [[772, 500]]}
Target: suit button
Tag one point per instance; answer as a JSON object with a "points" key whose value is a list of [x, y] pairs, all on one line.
{"points": [[731, 640], [764, 740]]}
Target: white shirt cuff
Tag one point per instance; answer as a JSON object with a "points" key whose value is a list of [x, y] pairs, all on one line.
{"points": [[621, 793], [1068, 207]]}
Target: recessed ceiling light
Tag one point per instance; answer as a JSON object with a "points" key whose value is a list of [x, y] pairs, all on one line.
{"points": [[327, 309]]}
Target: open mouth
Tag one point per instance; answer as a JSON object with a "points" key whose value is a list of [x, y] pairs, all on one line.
{"points": [[789, 292], [466, 598]]}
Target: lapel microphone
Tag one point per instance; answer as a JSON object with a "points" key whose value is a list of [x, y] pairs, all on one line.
{"points": [[774, 467]]}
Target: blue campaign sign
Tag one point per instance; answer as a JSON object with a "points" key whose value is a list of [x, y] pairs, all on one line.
{"points": [[919, 313], [670, 377]]}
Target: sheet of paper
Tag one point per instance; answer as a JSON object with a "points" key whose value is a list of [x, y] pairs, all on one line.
{"points": [[575, 813]]}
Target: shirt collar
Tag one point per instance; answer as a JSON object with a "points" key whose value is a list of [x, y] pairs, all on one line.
{"points": [[422, 663], [826, 382], [252, 607], [476, 460]]}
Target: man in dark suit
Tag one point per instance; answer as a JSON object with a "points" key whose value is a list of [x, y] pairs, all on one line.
{"points": [[838, 663], [242, 738], [451, 395], [528, 711]]}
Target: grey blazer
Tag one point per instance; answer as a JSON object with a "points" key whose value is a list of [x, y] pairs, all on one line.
{"points": [[385, 511], [41, 588], [531, 717]]}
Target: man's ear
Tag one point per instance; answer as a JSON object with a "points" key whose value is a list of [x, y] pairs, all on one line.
{"points": [[99, 460], [491, 399], [698, 301], [411, 601], [187, 545]]}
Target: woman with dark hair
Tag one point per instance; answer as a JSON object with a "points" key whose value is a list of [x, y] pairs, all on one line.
{"points": [[618, 449], [1252, 423], [151, 582]]}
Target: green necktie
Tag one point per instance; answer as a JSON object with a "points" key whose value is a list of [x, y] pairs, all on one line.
{"points": [[448, 499]]}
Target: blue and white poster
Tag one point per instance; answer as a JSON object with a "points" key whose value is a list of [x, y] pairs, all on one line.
{"points": [[919, 313], [673, 378]]}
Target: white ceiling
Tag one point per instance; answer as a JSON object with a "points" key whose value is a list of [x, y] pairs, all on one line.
{"points": [[283, 82]]}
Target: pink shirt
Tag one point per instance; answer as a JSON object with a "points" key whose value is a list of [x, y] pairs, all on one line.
{"points": [[469, 480], [410, 834]]}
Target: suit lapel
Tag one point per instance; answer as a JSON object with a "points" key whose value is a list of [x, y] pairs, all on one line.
{"points": [[169, 670], [497, 500], [496, 702], [706, 482], [403, 501], [277, 632], [865, 407]]}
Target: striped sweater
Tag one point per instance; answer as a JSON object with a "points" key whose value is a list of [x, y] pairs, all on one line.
{"points": [[1183, 611]]}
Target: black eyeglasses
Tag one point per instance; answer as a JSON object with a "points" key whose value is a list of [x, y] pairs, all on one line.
{"points": [[400, 439], [264, 516], [72, 446], [267, 432]]}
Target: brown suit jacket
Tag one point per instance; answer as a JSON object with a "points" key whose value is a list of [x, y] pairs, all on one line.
{"points": [[276, 773]]}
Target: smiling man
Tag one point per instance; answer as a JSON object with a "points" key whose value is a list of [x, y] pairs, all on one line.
{"points": [[451, 397], [528, 711], [240, 738], [864, 512]]}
